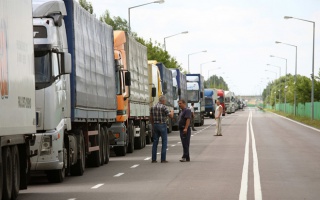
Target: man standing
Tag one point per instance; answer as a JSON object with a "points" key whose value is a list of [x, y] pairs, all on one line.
{"points": [[192, 116], [158, 116], [185, 131], [218, 114]]}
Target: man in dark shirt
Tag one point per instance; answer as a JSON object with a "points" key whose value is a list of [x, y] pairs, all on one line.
{"points": [[184, 128], [158, 117]]}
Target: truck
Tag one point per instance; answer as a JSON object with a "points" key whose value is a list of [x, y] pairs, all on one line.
{"points": [[221, 97], [179, 92], [230, 102], [133, 102], [167, 90], [210, 100], [195, 90], [17, 102], [76, 86]]}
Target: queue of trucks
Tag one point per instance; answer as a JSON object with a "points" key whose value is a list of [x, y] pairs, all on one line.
{"points": [[79, 90]]}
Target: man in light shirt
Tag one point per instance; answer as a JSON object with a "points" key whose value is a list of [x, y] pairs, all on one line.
{"points": [[218, 115]]}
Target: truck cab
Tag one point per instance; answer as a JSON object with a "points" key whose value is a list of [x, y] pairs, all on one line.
{"points": [[195, 95], [210, 95]]}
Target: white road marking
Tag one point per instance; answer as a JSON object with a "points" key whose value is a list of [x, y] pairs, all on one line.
{"points": [[72, 199], [158, 153], [256, 174], [173, 145], [134, 166], [245, 171], [192, 135], [148, 158], [97, 186], [179, 142], [118, 175]]}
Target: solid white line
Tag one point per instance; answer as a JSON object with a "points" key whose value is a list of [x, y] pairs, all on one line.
{"points": [[245, 170], [256, 174], [97, 186], [148, 158], [315, 129], [134, 166], [119, 174]]}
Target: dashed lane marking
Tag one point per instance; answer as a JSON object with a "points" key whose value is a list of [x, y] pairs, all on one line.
{"points": [[134, 166], [148, 158], [118, 175], [97, 186]]}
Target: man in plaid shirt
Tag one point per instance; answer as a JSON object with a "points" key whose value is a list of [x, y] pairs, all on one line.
{"points": [[158, 118]]}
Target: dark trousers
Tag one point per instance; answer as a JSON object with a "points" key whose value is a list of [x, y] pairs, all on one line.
{"points": [[185, 140]]}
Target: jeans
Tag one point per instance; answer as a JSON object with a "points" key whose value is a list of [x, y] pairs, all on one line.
{"points": [[159, 130], [185, 140]]}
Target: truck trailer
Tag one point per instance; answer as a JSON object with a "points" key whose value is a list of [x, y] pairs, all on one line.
{"points": [[17, 102], [75, 89], [133, 102], [195, 89]]}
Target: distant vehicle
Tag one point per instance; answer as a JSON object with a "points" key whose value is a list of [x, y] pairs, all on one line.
{"points": [[209, 95], [221, 97], [195, 88], [230, 102]]}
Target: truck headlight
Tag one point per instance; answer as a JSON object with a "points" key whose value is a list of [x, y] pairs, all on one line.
{"points": [[46, 145]]}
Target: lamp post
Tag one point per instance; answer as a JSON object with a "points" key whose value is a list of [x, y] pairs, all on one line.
{"points": [[312, 75], [164, 39], [160, 1], [285, 83], [275, 78], [192, 54], [279, 77], [295, 77], [205, 63]]}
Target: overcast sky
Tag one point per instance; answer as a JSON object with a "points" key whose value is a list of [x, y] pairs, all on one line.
{"points": [[239, 34]]}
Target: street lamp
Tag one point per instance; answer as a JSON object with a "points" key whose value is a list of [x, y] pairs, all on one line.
{"points": [[205, 63], [192, 54], [295, 77], [312, 75], [160, 1], [285, 83], [279, 77], [164, 39]]}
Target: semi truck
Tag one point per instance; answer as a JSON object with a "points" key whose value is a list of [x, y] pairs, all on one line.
{"points": [[210, 100], [179, 92], [230, 102], [195, 90], [133, 102], [167, 90], [76, 86], [17, 102], [221, 97]]}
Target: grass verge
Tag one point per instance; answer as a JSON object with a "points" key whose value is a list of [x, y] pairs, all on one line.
{"points": [[304, 120]]}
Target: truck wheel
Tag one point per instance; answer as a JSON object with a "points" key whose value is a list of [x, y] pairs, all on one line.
{"points": [[102, 146], [7, 173], [131, 137], [78, 168], [16, 171], [58, 175], [143, 131], [107, 144]]}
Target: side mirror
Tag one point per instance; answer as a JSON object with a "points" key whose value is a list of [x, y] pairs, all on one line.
{"points": [[153, 92], [179, 91], [127, 80], [65, 63]]}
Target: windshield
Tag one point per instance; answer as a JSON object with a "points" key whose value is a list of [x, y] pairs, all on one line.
{"points": [[193, 95], [42, 66], [221, 99], [118, 83], [209, 101], [175, 92]]}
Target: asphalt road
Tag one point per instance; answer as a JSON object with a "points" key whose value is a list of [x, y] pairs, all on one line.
{"points": [[259, 156]]}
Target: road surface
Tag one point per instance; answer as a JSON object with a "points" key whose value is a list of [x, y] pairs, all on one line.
{"points": [[260, 156]]}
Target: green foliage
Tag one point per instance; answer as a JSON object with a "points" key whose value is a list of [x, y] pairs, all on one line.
{"points": [[216, 82], [155, 52], [86, 5]]}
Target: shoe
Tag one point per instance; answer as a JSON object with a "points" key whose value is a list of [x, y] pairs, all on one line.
{"points": [[184, 160], [215, 135], [164, 161], [220, 135], [154, 161]]}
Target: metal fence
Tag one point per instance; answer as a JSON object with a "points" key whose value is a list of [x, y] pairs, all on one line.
{"points": [[303, 110]]}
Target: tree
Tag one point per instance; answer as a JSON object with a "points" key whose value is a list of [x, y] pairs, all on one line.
{"points": [[86, 5], [216, 82]]}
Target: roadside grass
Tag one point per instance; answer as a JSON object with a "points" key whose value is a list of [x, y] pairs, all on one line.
{"points": [[304, 120]]}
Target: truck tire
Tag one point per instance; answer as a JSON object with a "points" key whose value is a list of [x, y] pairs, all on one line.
{"points": [[16, 171], [107, 143], [131, 137], [102, 146], [78, 168], [7, 173], [58, 175]]}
